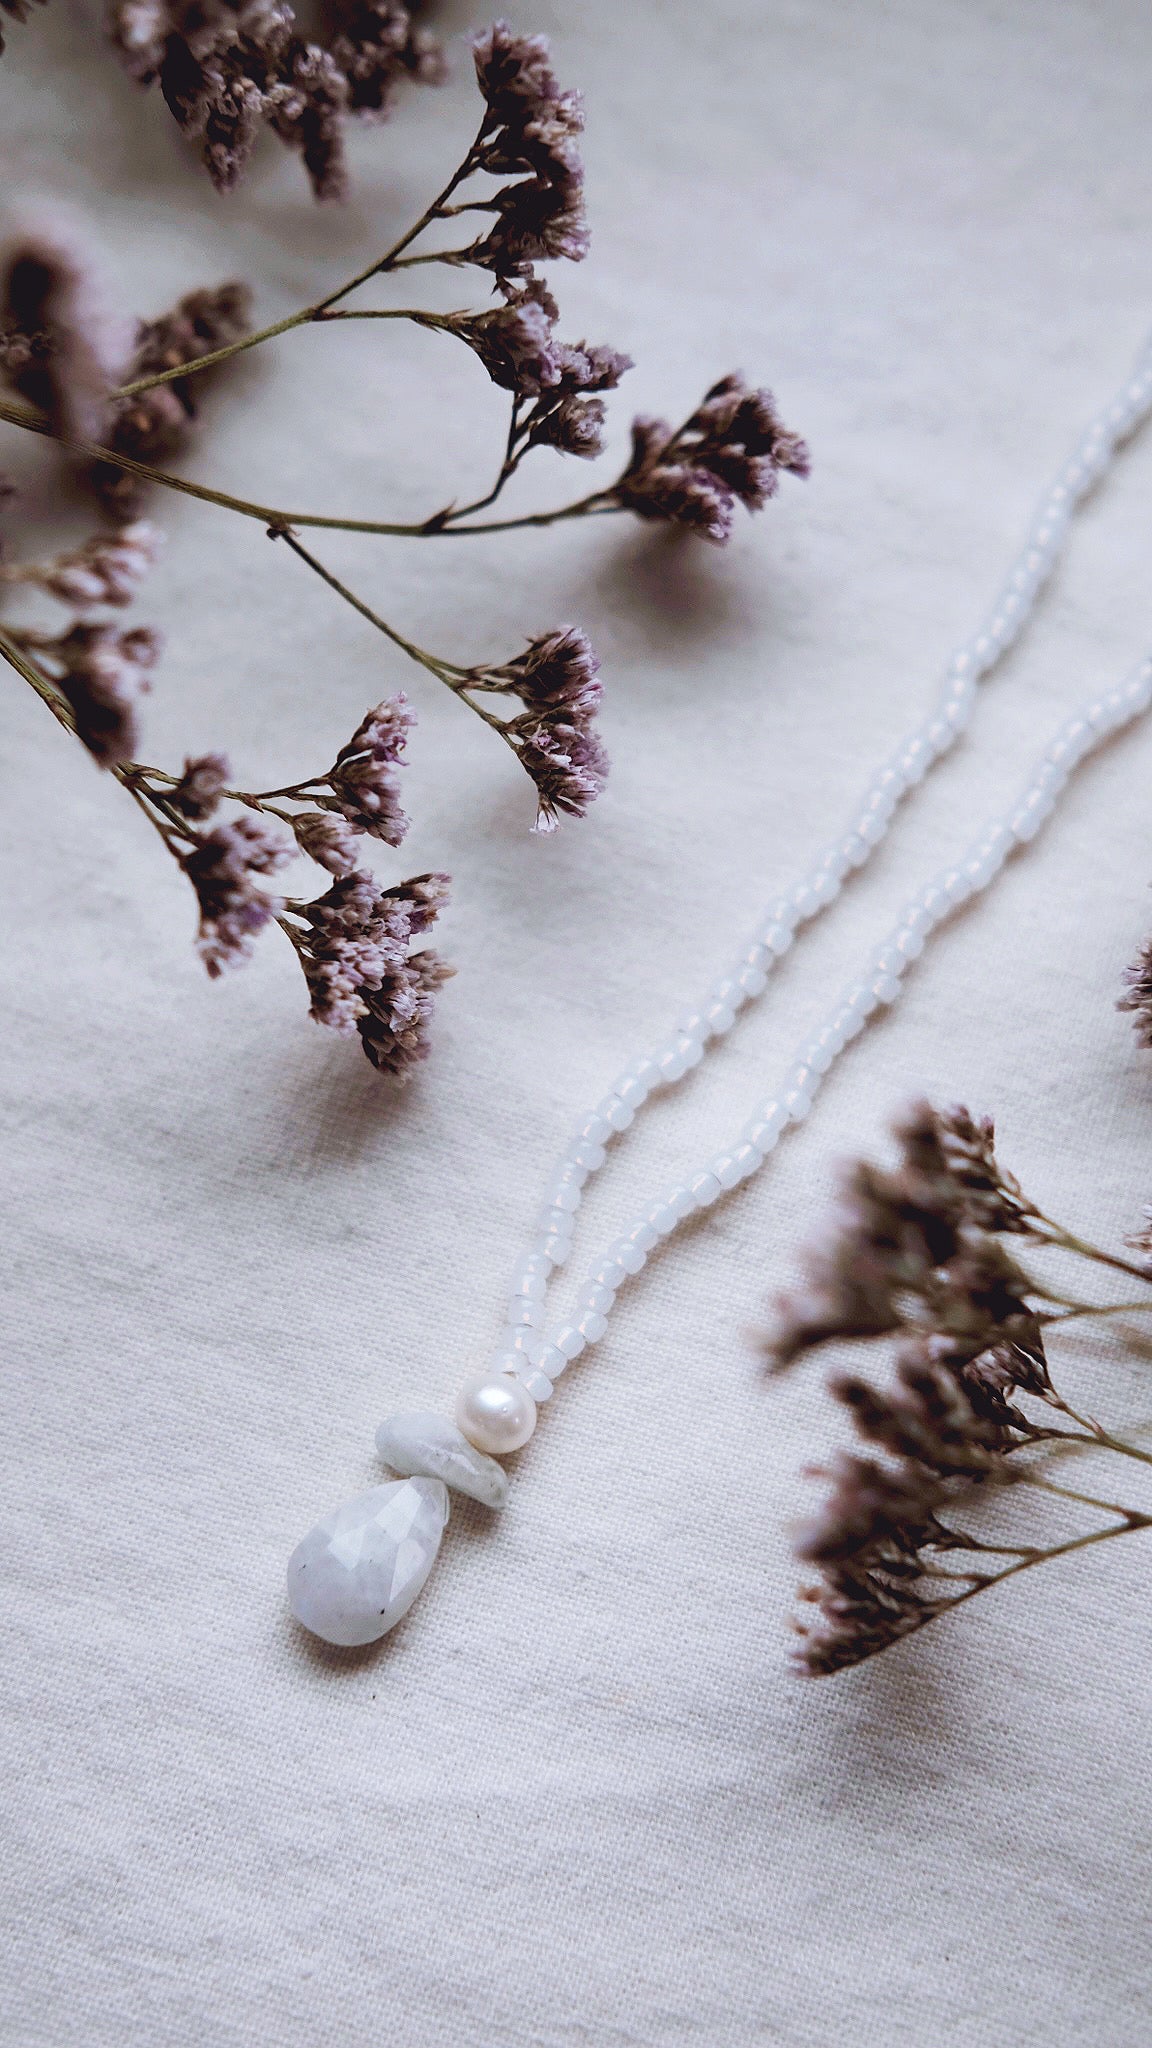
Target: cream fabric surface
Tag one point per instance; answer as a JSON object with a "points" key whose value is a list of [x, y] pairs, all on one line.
{"points": [[577, 1798]]}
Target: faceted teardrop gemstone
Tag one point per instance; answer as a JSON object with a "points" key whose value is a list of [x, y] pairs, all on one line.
{"points": [[361, 1568]]}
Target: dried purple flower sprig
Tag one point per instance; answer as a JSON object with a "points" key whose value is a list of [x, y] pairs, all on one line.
{"points": [[917, 1253], [229, 68], [1137, 995], [525, 153], [88, 678]]}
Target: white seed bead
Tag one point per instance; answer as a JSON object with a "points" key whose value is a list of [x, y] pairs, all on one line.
{"points": [[753, 982], [643, 1234], [592, 1326], [552, 1361], [524, 1343], [495, 1413], [664, 1218], [612, 1274], [589, 1155], [597, 1299], [718, 1019], [597, 1130], [526, 1314], [556, 1249], [534, 1381], [627, 1255], [748, 1160], [705, 1189], [725, 1171]]}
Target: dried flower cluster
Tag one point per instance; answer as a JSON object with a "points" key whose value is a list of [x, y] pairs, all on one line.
{"points": [[1137, 995], [230, 68], [125, 408], [918, 1253]]}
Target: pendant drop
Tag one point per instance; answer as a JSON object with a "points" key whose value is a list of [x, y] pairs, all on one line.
{"points": [[359, 1570]]}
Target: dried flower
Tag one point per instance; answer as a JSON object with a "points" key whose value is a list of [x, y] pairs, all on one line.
{"points": [[912, 1249], [919, 1250], [1138, 995], [199, 789], [515, 341], [227, 68], [529, 135], [568, 763], [328, 840], [55, 349], [221, 867], [558, 671], [153, 426], [103, 672], [733, 447], [106, 570], [364, 780], [360, 974]]}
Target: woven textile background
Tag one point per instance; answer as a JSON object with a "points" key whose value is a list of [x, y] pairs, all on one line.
{"points": [[576, 1801]]}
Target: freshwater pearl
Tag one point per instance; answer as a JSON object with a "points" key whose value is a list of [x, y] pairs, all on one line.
{"points": [[361, 1568], [495, 1413]]}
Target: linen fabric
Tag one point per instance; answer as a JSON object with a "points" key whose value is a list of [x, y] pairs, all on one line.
{"points": [[576, 1800]]}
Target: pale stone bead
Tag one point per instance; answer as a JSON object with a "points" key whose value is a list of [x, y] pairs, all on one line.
{"points": [[531, 1282], [495, 1413], [664, 1218], [724, 1168], [597, 1130], [432, 1447], [611, 1273], [753, 982], [359, 1570], [749, 1159]]}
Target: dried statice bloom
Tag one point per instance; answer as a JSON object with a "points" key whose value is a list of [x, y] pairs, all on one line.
{"points": [[328, 840], [364, 780], [375, 45], [931, 1416], [55, 347], [515, 341], [221, 867], [568, 763], [567, 417], [530, 135], [1141, 1240], [228, 68], [105, 571], [917, 1248], [1138, 994], [556, 678], [201, 786], [360, 973], [733, 447], [153, 426], [103, 672]]}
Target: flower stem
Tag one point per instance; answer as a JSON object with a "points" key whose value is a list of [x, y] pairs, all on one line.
{"points": [[277, 520]]}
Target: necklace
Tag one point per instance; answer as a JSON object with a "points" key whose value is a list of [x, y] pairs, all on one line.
{"points": [[360, 1568]]}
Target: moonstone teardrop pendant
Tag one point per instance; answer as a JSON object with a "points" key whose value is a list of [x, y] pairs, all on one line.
{"points": [[361, 1568]]}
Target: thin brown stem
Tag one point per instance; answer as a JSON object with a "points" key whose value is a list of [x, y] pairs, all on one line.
{"points": [[272, 516]]}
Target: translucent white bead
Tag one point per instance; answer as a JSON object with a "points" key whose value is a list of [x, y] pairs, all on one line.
{"points": [[759, 958], [570, 1341], [680, 1203], [854, 850], [611, 1273], [556, 1249], [563, 1195], [691, 1025], [916, 759], [705, 1189], [627, 1255], [797, 1102], [555, 1222], [589, 1155], [597, 1130], [528, 1314], [524, 1342], [1026, 821], [553, 1362], [778, 938], [748, 1159], [534, 1381], [642, 1234], [529, 1279], [725, 1170], [753, 982], [719, 1018], [597, 1299], [826, 886], [592, 1326], [764, 1130], [570, 1173], [630, 1091], [909, 942], [618, 1114], [692, 1052], [886, 988]]}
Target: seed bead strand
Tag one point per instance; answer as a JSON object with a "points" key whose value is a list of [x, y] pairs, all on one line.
{"points": [[534, 1370], [525, 1351]]}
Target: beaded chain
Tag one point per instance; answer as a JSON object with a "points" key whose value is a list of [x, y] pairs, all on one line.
{"points": [[344, 1580]]}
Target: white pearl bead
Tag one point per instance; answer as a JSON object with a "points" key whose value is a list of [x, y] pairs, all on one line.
{"points": [[495, 1413]]}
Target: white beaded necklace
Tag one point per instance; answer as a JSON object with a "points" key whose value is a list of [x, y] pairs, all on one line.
{"points": [[359, 1570]]}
